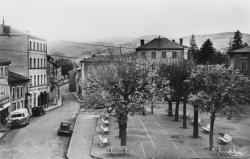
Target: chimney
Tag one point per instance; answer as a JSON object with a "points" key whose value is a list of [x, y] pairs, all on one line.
{"points": [[181, 41], [173, 40], [142, 42], [6, 30]]}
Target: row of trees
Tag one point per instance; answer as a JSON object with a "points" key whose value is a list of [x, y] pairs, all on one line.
{"points": [[123, 83]]}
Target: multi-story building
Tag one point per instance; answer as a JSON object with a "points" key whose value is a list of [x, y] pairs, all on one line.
{"points": [[19, 91], [4, 91], [240, 59], [28, 56], [162, 50], [53, 81]]}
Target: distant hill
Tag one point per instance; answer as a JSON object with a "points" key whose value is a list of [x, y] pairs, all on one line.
{"points": [[76, 49]]}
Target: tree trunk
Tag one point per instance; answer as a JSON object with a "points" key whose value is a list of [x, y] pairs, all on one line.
{"points": [[170, 108], [152, 108], [120, 130], [123, 134], [195, 123], [184, 114], [211, 134], [176, 116]]}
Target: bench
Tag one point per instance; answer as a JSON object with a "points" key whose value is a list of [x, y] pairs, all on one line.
{"points": [[117, 149], [104, 129], [206, 129], [106, 122], [103, 141], [229, 150], [226, 138]]}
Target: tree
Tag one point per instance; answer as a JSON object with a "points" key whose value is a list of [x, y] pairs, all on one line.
{"points": [[125, 81], [66, 65], [206, 53], [177, 76], [193, 50], [237, 42], [223, 91]]}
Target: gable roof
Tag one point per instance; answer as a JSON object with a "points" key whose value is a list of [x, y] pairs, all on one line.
{"points": [[242, 50], [14, 78], [161, 44]]}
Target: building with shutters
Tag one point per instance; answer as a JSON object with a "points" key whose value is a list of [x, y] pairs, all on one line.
{"points": [[28, 56]]}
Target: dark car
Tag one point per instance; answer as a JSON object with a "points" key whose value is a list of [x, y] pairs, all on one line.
{"points": [[65, 128], [36, 111]]}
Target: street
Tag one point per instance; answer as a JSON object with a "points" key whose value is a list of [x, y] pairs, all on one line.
{"points": [[39, 139]]}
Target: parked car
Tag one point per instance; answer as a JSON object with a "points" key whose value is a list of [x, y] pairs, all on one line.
{"points": [[36, 111], [19, 117], [65, 128]]}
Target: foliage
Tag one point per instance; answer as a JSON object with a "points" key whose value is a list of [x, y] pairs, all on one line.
{"points": [[193, 50], [66, 65], [209, 55], [237, 42], [222, 90]]}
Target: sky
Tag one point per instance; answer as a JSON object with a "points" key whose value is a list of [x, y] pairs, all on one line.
{"points": [[92, 20]]}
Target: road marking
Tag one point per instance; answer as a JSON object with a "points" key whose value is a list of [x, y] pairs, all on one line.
{"points": [[148, 134], [138, 137]]}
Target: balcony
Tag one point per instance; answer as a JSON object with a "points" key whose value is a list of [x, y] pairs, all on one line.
{"points": [[4, 99]]}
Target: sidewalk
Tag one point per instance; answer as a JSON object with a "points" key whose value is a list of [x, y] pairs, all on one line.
{"points": [[51, 107], [82, 137]]}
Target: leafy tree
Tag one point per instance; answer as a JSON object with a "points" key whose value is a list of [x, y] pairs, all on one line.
{"points": [[66, 64], [237, 42], [245, 44], [223, 91], [126, 82], [177, 76], [193, 50]]}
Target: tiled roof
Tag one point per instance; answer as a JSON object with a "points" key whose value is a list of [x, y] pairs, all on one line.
{"points": [[16, 78], [161, 44], [15, 32], [245, 49]]}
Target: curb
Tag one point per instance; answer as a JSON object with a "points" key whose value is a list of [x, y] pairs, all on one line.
{"points": [[94, 142], [5, 133], [67, 157]]}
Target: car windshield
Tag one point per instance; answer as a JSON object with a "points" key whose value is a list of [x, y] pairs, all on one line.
{"points": [[16, 115]]}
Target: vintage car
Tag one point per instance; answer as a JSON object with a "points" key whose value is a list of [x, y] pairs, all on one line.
{"points": [[65, 128], [19, 117]]}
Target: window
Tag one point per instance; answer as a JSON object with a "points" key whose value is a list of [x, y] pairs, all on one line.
{"points": [[38, 64], [13, 92], [31, 81], [44, 63], [244, 65], [143, 54], [42, 66], [37, 46], [41, 47], [153, 56], [44, 47], [34, 46], [1, 71], [35, 80], [44, 79], [163, 54], [34, 63], [30, 62], [30, 45], [41, 79], [174, 55], [38, 80], [244, 55], [21, 91], [17, 92]]}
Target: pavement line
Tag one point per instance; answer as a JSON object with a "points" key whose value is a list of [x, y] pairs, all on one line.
{"points": [[166, 134], [148, 134], [138, 137]]}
